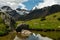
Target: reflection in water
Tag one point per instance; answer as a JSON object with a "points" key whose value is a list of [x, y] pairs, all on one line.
{"points": [[16, 38], [33, 37]]}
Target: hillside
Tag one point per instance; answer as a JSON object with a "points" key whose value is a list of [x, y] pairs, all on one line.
{"points": [[49, 22], [38, 13]]}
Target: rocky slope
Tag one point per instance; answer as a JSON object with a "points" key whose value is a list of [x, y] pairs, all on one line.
{"points": [[38, 13]]}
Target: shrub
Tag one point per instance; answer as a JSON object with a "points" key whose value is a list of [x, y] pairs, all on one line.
{"points": [[3, 29], [21, 27], [3, 33], [42, 19], [1, 21], [54, 16], [58, 19]]}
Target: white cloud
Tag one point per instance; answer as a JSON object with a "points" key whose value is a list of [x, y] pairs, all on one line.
{"points": [[12, 3], [58, 1], [47, 3], [22, 6]]}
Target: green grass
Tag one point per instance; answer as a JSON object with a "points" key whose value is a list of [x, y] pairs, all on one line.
{"points": [[51, 22]]}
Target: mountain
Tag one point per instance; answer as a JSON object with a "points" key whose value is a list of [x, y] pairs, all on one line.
{"points": [[43, 12], [22, 11], [6, 8], [12, 13], [22, 14], [18, 9], [45, 18], [15, 14]]}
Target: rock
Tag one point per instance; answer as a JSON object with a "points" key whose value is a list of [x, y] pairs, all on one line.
{"points": [[21, 27], [25, 33]]}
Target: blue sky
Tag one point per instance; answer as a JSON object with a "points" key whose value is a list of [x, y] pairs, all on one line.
{"points": [[31, 3]]}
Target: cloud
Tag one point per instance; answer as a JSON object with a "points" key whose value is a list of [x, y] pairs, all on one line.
{"points": [[22, 6], [12, 3], [58, 1], [47, 3]]}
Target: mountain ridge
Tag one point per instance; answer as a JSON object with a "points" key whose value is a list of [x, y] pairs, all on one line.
{"points": [[22, 14], [42, 12]]}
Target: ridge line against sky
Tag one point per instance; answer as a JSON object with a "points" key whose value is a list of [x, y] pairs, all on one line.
{"points": [[47, 3], [28, 4]]}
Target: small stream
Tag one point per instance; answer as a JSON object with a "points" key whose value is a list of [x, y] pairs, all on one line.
{"points": [[36, 35], [33, 36]]}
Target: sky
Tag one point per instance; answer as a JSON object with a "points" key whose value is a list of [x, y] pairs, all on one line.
{"points": [[31, 3], [28, 4]]}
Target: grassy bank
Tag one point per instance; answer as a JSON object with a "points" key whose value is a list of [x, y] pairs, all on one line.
{"points": [[50, 22]]}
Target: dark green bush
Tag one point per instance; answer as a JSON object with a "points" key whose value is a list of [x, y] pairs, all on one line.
{"points": [[58, 19], [54, 16], [3, 29], [1, 21], [3, 33], [42, 19]]}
